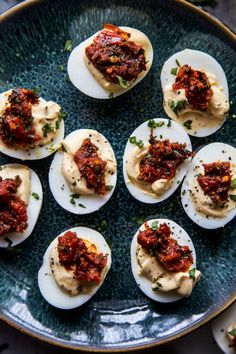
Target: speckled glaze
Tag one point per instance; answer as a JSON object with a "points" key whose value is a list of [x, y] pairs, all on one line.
{"points": [[119, 316]]}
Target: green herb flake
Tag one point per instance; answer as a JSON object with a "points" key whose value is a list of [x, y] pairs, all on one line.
{"points": [[62, 115], [122, 82], [177, 62], [233, 184], [109, 188], [192, 273], [233, 332], [72, 201], [111, 95], [232, 197], [176, 106], [35, 195], [80, 288], [154, 225], [81, 205], [133, 140], [68, 45], [188, 124], [169, 123], [152, 124], [174, 71], [47, 128], [75, 196]]}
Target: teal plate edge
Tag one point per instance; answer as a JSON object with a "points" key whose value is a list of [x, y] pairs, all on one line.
{"points": [[14, 298]]}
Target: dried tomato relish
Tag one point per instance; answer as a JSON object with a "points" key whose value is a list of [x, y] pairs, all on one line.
{"points": [[16, 126], [91, 166], [73, 252], [13, 210], [113, 54], [216, 181], [162, 160], [167, 251], [196, 85]]}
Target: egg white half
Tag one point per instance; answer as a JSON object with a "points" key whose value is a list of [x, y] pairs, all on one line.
{"points": [[145, 285], [199, 61], [48, 287], [220, 326], [175, 133], [82, 78], [210, 153], [61, 191], [33, 210]]}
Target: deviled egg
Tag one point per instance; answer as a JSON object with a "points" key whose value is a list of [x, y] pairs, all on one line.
{"points": [[83, 173], [21, 198], [74, 267], [110, 62], [163, 261], [156, 159], [195, 91], [224, 330], [209, 189], [30, 127]]}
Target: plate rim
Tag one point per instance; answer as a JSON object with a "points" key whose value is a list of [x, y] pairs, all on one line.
{"points": [[7, 16]]}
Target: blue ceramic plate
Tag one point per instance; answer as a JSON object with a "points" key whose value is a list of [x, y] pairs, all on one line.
{"points": [[119, 316]]}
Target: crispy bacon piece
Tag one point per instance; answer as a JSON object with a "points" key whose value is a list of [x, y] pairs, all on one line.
{"points": [[162, 160], [113, 54], [73, 251], [197, 87], [16, 126], [216, 181], [91, 166], [173, 257], [13, 210]]}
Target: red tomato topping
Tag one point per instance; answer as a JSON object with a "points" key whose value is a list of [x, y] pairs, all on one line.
{"points": [[16, 126], [197, 87], [162, 160], [91, 166], [113, 54], [13, 210], [216, 181], [173, 257], [73, 251]]}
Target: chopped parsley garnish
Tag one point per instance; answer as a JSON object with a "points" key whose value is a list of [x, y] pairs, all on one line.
{"points": [[80, 288], [8, 241], [177, 62], [73, 197], [61, 115], [188, 124], [174, 71], [68, 45], [233, 197], [176, 106], [81, 205], [35, 195], [169, 123], [72, 201], [152, 124], [233, 184], [133, 140], [192, 273], [109, 188], [47, 128], [111, 95], [122, 82], [156, 287], [154, 225], [233, 332]]}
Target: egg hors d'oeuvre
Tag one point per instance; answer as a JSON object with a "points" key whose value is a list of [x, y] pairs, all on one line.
{"points": [[163, 261], [110, 62], [74, 267], [156, 159], [83, 174], [30, 127], [20, 203], [209, 190], [195, 92], [224, 330]]}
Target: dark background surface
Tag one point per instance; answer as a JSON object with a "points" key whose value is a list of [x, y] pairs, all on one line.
{"points": [[200, 341]]}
